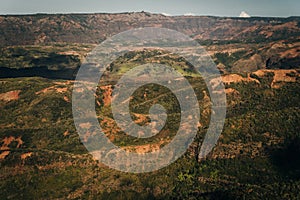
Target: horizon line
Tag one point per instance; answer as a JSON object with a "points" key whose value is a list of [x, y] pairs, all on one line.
{"points": [[128, 12]]}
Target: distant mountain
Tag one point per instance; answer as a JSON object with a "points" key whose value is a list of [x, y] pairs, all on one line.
{"points": [[94, 28], [244, 14]]}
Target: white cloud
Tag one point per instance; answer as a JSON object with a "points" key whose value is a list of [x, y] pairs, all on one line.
{"points": [[244, 14], [189, 14], [166, 14]]}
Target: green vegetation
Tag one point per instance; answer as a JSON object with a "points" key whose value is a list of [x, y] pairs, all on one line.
{"points": [[42, 157], [229, 60], [250, 161]]}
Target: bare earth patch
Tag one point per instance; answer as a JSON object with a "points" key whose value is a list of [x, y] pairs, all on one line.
{"points": [[280, 76], [67, 99], [8, 140], [140, 118], [291, 53], [235, 78], [51, 89], [66, 133], [10, 96], [146, 148], [59, 87], [4, 154], [109, 128], [26, 155], [231, 91]]}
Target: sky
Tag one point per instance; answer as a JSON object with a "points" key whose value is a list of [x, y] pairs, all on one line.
{"points": [[276, 8]]}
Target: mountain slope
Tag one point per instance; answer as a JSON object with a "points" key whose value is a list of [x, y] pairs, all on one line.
{"points": [[94, 28]]}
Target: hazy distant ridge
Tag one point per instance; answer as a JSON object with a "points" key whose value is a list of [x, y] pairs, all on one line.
{"points": [[93, 28]]}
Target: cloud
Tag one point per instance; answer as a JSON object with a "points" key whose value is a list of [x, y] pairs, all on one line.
{"points": [[166, 14], [244, 14], [189, 14]]}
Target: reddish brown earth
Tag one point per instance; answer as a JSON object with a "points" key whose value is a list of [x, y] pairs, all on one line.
{"points": [[10, 96], [8, 140]]}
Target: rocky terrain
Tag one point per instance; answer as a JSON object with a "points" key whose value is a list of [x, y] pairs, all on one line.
{"points": [[41, 155], [256, 157], [94, 28]]}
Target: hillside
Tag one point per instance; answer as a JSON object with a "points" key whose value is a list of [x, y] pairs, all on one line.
{"points": [[256, 157], [94, 28], [42, 156]]}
